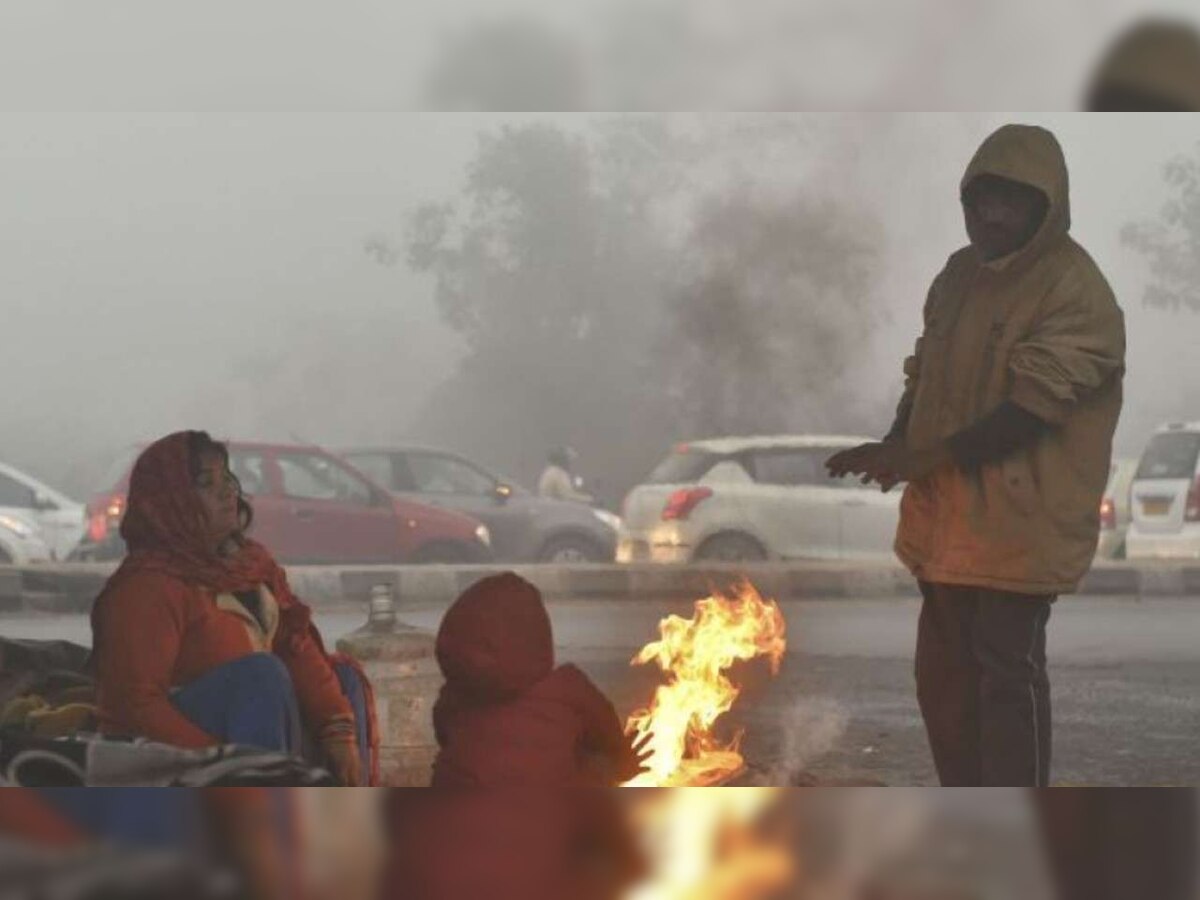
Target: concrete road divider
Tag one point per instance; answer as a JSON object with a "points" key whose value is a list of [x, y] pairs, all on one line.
{"points": [[73, 587]]}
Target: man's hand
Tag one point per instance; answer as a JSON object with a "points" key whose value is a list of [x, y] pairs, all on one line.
{"points": [[857, 461], [888, 463]]}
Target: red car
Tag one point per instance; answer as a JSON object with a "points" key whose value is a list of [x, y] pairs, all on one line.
{"points": [[311, 507]]}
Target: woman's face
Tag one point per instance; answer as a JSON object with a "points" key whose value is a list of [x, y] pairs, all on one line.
{"points": [[218, 493]]}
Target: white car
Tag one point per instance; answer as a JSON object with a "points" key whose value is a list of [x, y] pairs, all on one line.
{"points": [[1115, 513], [761, 498], [21, 540], [1165, 497], [60, 520]]}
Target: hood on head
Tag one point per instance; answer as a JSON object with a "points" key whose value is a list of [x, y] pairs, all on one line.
{"points": [[1031, 155], [1155, 64], [162, 510], [496, 641]]}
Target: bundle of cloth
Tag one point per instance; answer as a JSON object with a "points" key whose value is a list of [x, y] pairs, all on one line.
{"points": [[48, 725], [45, 689], [91, 760]]}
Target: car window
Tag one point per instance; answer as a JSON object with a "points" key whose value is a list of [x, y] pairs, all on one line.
{"points": [[14, 493], [250, 470], [376, 466], [683, 466], [796, 468], [434, 474], [1171, 455], [727, 471], [310, 476]]}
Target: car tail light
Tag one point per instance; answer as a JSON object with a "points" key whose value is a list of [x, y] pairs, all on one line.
{"points": [[97, 527], [105, 517], [1192, 512], [1108, 514], [681, 503]]}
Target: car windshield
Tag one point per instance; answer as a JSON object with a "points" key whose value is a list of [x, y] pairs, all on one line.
{"points": [[1170, 455], [683, 466]]}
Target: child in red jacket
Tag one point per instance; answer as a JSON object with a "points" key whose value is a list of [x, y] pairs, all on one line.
{"points": [[507, 717], [518, 739]]}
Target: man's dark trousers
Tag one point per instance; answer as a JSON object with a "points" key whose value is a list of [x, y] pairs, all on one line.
{"points": [[982, 685]]}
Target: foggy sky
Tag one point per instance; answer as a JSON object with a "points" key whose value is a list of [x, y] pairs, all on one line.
{"points": [[167, 271], [359, 55]]}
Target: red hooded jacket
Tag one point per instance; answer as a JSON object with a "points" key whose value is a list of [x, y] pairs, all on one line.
{"points": [[506, 716], [515, 736]]}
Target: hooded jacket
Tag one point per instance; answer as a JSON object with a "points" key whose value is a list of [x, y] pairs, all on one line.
{"points": [[1042, 329], [506, 717], [513, 732]]}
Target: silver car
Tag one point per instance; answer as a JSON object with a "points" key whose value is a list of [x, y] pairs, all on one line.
{"points": [[524, 527]]}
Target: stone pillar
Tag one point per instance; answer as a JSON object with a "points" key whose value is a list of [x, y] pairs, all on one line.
{"points": [[400, 662]]}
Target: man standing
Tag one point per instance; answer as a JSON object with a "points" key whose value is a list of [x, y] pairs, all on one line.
{"points": [[1004, 435]]}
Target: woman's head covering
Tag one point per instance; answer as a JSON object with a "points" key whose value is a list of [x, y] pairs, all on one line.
{"points": [[166, 530]]}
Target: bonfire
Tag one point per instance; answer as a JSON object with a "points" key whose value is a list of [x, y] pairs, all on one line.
{"points": [[708, 845], [695, 656]]}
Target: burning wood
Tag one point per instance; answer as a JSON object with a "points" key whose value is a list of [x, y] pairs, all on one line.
{"points": [[695, 654], [708, 845]]}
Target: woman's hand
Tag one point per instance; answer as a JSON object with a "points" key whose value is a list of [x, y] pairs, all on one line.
{"points": [[344, 761]]}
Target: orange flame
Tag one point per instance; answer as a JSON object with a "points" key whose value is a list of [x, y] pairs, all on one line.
{"points": [[695, 654], [706, 845]]}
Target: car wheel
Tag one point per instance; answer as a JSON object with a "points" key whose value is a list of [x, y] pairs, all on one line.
{"points": [[568, 551], [731, 548]]}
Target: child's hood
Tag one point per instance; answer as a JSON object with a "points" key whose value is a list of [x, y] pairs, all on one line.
{"points": [[495, 641]]}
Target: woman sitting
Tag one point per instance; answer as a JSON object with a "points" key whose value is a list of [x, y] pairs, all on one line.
{"points": [[197, 639]]}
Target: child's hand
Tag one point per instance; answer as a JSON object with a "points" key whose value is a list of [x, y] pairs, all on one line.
{"points": [[635, 760]]}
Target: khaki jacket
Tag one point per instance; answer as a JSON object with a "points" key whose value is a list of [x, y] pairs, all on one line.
{"points": [[1040, 328]]}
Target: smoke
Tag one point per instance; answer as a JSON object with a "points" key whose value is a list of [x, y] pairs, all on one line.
{"points": [[850, 835], [163, 272], [811, 728]]}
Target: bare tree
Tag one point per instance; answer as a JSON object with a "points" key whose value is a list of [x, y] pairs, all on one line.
{"points": [[1171, 243]]}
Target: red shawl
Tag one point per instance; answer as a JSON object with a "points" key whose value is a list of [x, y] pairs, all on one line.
{"points": [[165, 531]]}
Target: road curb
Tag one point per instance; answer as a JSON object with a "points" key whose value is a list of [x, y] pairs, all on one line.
{"points": [[72, 588]]}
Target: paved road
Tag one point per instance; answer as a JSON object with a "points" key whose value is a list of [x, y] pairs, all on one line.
{"points": [[1126, 678]]}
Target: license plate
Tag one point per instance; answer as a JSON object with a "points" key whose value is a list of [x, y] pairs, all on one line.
{"points": [[1156, 506]]}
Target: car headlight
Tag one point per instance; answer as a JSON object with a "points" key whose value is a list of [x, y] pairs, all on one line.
{"points": [[485, 536], [612, 520], [17, 527]]}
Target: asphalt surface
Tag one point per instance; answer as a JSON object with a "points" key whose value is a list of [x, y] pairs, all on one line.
{"points": [[1125, 676]]}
